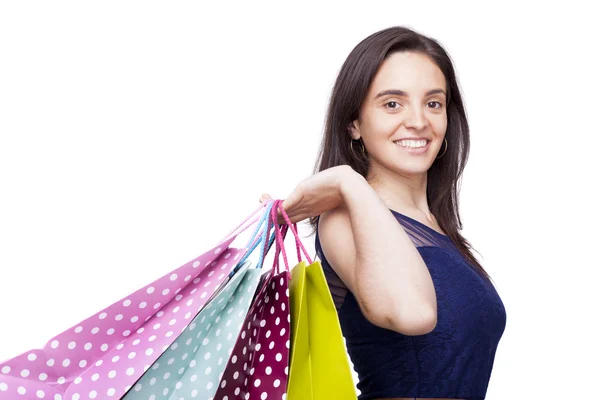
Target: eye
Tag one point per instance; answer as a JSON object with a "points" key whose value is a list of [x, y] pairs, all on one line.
{"points": [[392, 105], [436, 102]]}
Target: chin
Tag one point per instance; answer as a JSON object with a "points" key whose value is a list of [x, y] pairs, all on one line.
{"points": [[412, 172], [413, 168], [402, 166], [407, 170]]}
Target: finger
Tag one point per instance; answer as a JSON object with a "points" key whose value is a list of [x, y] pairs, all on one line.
{"points": [[280, 218], [294, 217], [265, 198], [291, 201], [298, 218]]}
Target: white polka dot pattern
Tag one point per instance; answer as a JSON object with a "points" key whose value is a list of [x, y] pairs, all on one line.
{"points": [[103, 355], [258, 366], [191, 367]]}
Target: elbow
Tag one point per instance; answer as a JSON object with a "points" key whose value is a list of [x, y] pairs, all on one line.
{"points": [[417, 321]]}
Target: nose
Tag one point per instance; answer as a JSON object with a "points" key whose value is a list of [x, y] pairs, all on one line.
{"points": [[415, 118]]}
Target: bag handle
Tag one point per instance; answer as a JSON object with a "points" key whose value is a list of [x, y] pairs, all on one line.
{"points": [[278, 206], [280, 248], [249, 224], [258, 239], [270, 225], [294, 228]]}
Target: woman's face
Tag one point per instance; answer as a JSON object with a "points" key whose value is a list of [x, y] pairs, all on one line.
{"points": [[403, 119]]}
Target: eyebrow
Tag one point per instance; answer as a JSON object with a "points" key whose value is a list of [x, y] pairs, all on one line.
{"points": [[402, 93]]}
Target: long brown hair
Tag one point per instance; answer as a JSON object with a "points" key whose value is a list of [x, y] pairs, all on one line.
{"points": [[349, 91]]}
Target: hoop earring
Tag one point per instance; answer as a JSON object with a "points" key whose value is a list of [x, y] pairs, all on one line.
{"points": [[445, 148], [352, 147]]}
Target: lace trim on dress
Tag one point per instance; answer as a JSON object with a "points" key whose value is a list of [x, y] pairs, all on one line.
{"points": [[420, 234]]}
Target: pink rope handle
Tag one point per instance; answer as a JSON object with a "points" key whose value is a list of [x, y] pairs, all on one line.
{"points": [[244, 221], [270, 225], [272, 222], [294, 229], [280, 248]]}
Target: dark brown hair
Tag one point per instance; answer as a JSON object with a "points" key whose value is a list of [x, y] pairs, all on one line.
{"points": [[349, 91]]}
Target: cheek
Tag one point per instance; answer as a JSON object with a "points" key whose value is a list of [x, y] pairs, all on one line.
{"points": [[382, 126], [440, 125]]}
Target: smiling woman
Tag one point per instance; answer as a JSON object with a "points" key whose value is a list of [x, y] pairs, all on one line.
{"points": [[416, 106], [420, 315]]}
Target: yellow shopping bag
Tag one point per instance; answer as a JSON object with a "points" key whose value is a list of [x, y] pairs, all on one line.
{"points": [[319, 367]]}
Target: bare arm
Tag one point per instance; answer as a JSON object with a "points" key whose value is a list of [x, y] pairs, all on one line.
{"points": [[377, 260]]}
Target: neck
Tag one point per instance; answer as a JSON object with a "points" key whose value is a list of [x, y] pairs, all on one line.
{"points": [[400, 192]]}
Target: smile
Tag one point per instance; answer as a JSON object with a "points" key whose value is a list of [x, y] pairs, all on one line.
{"points": [[413, 146], [412, 143]]}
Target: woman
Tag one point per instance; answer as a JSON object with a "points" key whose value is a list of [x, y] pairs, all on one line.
{"points": [[420, 316]]}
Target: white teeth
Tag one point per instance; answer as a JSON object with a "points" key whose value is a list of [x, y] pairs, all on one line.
{"points": [[412, 143]]}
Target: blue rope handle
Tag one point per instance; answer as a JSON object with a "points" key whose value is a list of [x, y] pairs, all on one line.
{"points": [[261, 241]]}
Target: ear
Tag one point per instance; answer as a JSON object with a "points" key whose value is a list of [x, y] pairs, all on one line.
{"points": [[354, 130]]}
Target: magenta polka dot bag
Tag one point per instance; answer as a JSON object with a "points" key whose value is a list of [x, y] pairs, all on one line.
{"points": [[104, 355], [258, 366]]}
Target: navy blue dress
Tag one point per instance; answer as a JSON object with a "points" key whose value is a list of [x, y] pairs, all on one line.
{"points": [[455, 359]]}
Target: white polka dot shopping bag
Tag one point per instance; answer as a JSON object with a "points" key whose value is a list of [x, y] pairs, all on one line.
{"points": [[104, 355], [258, 366], [194, 363]]}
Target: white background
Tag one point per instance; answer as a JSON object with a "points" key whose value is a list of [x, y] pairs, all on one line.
{"points": [[134, 135]]}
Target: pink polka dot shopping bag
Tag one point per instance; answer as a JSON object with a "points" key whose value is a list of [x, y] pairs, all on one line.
{"points": [[104, 355], [193, 364], [258, 366]]}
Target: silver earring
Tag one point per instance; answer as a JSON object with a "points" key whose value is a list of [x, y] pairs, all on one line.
{"points": [[445, 148], [352, 147]]}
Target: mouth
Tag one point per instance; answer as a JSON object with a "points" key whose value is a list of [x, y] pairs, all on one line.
{"points": [[413, 146]]}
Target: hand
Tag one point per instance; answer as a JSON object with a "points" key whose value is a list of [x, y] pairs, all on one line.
{"points": [[315, 195]]}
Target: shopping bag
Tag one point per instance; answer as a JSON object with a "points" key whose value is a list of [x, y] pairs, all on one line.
{"points": [[319, 366], [258, 366], [193, 364], [103, 355]]}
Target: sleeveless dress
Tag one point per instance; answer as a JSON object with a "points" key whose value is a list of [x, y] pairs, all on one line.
{"points": [[455, 359]]}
